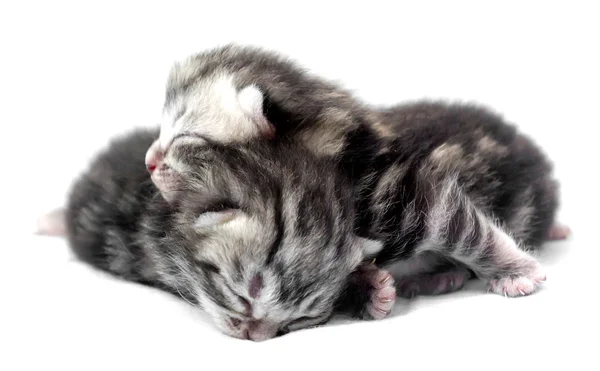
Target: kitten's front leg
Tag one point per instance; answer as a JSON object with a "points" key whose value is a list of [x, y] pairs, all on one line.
{"points": [[460, 231]]}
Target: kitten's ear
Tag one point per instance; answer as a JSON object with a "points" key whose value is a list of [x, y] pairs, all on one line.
{"points": [[370, 247], [251, 101]]}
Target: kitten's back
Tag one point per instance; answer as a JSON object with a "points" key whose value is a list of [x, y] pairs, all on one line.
{"points": [[107, 200]]}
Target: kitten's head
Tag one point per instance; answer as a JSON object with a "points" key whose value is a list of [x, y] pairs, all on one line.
{"points": [[266, 234], [236, 93], [214, 110], [218, 94]]}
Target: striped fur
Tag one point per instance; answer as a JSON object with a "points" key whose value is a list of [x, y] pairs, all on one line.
{"points": [[466, 186], [454, 183], [442, 187], [260, 270]]}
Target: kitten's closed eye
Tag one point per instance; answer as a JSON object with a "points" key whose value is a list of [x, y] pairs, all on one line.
{"points": [[208, 267], [304, 322]]}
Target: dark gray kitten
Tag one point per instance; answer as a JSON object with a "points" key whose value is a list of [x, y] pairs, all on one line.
{"points": [[259, 235], [449, 189]]}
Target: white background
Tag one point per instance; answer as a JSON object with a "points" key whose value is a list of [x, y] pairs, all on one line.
{"points": [[74, 74]]}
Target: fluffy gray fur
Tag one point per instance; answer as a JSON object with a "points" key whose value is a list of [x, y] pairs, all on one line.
{"points": [[448, 186], [449, 190], [231, 239]]}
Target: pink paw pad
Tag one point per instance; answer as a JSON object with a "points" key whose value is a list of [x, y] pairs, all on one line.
{"points": [[53, 224], [517, 286], [558, 232], [383, 291], [446, 282]]}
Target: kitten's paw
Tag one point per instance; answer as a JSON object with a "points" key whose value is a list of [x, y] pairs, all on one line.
{"points": [[53, 224], [409, 287], [450, 281], [382, 291], [518, 285], [433, 284], [382, 298], [558, 232]]}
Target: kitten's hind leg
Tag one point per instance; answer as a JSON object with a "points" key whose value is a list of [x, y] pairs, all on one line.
{"points": [[442, 282], [558, 232], [53, 224], [460, 231], [494, 256], [512, 271]]}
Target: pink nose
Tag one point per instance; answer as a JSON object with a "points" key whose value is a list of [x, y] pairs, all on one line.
{"points": [[154, 156], [259, 330], [151, 167], [252, 330]]}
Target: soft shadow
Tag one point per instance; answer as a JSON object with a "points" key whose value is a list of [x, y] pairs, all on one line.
{"points": [[554, 251]]}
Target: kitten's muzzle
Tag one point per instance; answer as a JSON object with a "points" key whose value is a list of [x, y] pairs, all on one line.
{"points": [[255, 329], [154, 156]]}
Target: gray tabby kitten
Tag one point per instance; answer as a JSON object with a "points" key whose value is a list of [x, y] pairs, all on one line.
{"points": [[258, 235], [450, 190]]}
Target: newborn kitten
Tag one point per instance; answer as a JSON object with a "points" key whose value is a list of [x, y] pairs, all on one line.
{"points": [[459, 188], [450, 189], [235, 93], [258, 235]]}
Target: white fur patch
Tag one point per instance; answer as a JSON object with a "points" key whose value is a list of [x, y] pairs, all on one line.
{"points": [[251, 100], [211, 219], [213, 107], [370, 247]]}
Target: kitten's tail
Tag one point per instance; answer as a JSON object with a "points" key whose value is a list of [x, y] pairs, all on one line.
{"points": [[53, 224]]}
